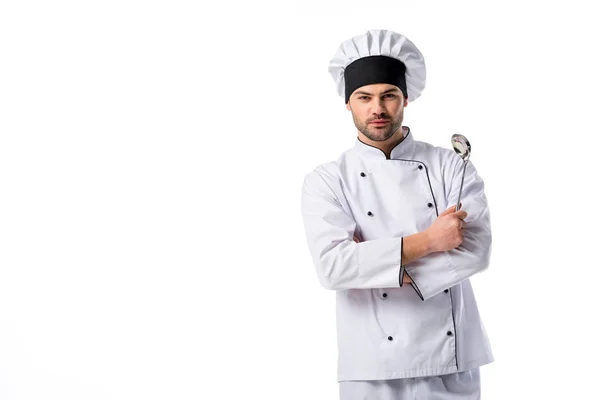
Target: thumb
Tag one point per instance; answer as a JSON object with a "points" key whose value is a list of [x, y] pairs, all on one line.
{"points": [[461, 214]]}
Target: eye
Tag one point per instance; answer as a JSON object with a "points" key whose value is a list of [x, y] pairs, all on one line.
{"points": [[389, 95], [363, 98]]}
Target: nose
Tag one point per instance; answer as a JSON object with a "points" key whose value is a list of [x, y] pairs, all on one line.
{"points": [[378, 106]]}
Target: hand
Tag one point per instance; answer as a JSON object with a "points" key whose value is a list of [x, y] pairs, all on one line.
{"points": [[446, 232]]}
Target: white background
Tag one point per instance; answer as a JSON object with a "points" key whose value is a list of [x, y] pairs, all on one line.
{"points": [[151, 159]]}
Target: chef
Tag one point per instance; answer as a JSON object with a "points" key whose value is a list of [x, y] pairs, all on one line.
{"points": [[383, 231]]}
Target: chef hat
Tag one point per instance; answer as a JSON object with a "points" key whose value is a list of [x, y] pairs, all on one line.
{"points": [[379, 56]]}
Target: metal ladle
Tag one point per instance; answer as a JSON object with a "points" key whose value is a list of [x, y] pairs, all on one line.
{"points": [[463, 148]]}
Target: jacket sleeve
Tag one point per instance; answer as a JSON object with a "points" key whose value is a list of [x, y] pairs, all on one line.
{"points": [[341, 263], [441, 270]]}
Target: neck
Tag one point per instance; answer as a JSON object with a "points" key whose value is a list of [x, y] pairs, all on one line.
{"points": [[387, 145]]}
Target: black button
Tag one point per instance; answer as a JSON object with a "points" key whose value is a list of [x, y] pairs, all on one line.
{"points": [[449, 333], [390, 338], [385, 295], [429, 205], [420, 167], [369, 213], [446, 291], [362, 174]]}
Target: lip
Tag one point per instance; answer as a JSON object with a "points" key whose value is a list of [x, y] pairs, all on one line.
{"points": [[379, 121]]}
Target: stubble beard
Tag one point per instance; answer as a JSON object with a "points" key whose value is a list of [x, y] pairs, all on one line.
{"points": [[379, 134]]}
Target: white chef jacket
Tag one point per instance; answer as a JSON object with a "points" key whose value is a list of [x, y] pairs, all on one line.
{"points": [[387, 330]]}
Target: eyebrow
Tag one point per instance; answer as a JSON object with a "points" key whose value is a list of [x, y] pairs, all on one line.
{"points": [[370, 94]]}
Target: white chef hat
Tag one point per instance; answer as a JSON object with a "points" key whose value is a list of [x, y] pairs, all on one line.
{"points": [[379, 56]]}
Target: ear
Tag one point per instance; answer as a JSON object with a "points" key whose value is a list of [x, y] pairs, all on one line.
{"points": [[405, 102], [348, 106]]}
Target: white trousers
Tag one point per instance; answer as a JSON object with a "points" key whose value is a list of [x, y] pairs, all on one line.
{"points": [[459, 386]]}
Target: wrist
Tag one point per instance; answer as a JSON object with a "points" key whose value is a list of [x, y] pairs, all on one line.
{"points": [[428, 242]]}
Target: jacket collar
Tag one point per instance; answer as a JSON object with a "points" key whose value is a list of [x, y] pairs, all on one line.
{"points": [[402, 149]]}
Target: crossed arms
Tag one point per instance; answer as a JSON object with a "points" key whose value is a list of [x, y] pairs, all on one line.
{"points": [[342, 262]]}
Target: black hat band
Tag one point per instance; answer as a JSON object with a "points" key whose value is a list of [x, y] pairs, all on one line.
{"points": [[374, 69]]}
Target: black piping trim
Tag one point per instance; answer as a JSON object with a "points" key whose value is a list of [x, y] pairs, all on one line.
{"points": [[366, 144], [402, 270], [428, 180], [454, 323], [415, 286]]}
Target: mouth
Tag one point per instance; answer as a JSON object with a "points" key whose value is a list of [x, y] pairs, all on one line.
{"points": [[379, 122]]}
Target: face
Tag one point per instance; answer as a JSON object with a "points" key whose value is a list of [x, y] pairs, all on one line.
{"points": [[377, 110]]}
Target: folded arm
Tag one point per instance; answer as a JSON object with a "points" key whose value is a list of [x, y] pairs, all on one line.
{"points": [[439, 270], [342, 263]]}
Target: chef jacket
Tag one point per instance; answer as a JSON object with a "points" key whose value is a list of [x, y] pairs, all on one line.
{"points": [[387, 330]]}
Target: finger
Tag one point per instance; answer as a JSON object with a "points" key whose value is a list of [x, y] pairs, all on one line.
{"points": [[449, 210], [461, 214]]}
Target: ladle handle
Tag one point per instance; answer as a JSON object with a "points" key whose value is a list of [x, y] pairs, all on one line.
{"points": [[461, 185]]}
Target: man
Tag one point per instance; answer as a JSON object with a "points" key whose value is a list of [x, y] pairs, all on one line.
{"points": [[383, 232]]}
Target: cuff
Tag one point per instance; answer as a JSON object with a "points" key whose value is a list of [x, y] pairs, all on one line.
{"points": [[432, 274], [414, 285]]}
